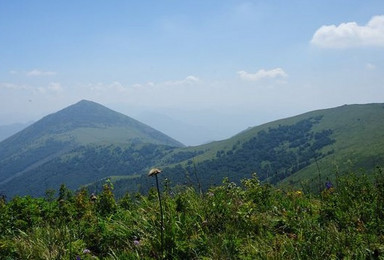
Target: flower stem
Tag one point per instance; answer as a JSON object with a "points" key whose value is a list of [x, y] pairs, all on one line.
{"points": [[161, 216]]}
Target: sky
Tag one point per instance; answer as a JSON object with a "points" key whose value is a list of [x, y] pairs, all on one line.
{"points": [[195, 70]]}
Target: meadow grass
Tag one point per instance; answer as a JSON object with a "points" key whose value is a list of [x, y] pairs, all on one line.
{"points": [[247, 221]]}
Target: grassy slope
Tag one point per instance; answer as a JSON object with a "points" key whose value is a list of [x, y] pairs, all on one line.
{"points": [[357, 129], [359, 134], [109, 135]]}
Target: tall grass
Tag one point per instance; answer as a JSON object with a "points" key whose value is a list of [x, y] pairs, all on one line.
{"points": [[247, 221]]}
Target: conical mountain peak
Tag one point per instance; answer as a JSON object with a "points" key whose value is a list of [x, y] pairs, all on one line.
{"points": [[86, 114], [87, 122], [80, 131]]}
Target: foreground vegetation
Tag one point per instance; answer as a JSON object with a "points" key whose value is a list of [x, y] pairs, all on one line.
{"points": [[247, 221]]}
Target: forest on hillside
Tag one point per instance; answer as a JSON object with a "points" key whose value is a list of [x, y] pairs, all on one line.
{"points": [[250, 220], [274, 153]]}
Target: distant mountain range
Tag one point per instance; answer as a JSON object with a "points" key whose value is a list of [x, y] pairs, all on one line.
{"points": [[85, 143]]}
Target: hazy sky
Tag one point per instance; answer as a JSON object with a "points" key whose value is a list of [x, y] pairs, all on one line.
{"points": [[213, 64]]}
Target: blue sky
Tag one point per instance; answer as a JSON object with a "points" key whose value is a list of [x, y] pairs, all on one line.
{"points": [[213, 67]]}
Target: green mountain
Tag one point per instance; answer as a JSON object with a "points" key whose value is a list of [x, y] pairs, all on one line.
{"points": [[307, 148], [77, 145], [86, 143]]}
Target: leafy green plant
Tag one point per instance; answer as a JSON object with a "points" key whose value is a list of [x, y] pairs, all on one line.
{"points": [[248, 221]]}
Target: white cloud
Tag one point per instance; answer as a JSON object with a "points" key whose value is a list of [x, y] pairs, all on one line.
{"points": [[140, 85], [192, 78], [39, 73], [55, 87], [262, 74], [114, 88], [11, 86], [117, 86], [351, 34], [51, 88], [187, 81], [370, 66]]}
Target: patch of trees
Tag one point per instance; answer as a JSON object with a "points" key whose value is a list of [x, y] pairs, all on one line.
{"points": [[87, 164], [17, 163], [273, 154]]}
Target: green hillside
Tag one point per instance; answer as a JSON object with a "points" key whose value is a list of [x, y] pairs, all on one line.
{"points": [[76, 145], [288, 151], [358, 131], [343, 138], [86, 143]]}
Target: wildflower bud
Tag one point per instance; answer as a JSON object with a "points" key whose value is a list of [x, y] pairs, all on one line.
{"points": [[154, 172], [93, 197], [86, 251]]}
